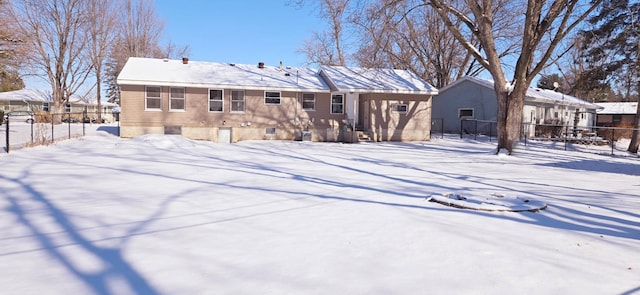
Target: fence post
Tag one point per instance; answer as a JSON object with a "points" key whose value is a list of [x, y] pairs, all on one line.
{"points": [[461, 123], [490, 130], [475, 134], [525, 133], [613, 133], [32, 122], [566, 131], [52, 128], [69, 125], [7, 134]]}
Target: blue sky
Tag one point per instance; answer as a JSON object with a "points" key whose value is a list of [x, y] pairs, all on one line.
{"points": [[239, 31], [236, 31]]}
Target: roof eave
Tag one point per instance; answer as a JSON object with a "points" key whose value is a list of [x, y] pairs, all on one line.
{"points": [[220, 86], [387, 91]]}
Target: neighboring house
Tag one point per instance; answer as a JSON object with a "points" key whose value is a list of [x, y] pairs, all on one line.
{"points": [[475, 98], [232, 102], [617, 114], [41, 101]]}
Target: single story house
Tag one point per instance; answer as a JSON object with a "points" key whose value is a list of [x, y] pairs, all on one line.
{"points": [[475, 98], [227, 102], [617, 114], [41, 102]]}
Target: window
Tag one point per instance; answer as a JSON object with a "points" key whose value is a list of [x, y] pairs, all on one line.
{"points": [[215, 100], [152, 98], [46, 107], [67, 108], [337, 104], [176, 99], [237, 101], [617, 118], [308, 101], [271, 97], [400, 107], [270, 131], [465, 113]]}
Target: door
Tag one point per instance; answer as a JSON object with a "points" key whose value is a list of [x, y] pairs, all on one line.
{"points": [[224, 135]]}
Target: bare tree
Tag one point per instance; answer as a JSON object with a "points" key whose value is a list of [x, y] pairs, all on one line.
{"points": [[546, 24], [12, 47], [101, 34], [54, 30], [409, 35], [328, 47], [138, 35]]}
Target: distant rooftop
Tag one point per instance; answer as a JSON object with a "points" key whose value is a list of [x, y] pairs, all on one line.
{"points": [[533, 93], [618, 107]]}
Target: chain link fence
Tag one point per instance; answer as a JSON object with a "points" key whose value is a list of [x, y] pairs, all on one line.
{"points": [[44, 129], [602, 140]]}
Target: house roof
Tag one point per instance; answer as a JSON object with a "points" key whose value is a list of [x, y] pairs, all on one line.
{"points": [[34, 95], [620, 108], [533, 94], [354, 79], [165, 72]]}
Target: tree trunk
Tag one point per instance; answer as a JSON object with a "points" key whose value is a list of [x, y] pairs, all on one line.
{"points": [[633, 145], [99, 95], [510, 107]]}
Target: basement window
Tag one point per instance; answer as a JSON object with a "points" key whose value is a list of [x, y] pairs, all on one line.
{"points": [[465, 113], [270, 131]]}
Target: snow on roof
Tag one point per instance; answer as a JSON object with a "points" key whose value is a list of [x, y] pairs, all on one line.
{"points": [[354, 79], [546, 95], [533, 94], [482, 82], [33, 95], [618, 107], [165, 72]]}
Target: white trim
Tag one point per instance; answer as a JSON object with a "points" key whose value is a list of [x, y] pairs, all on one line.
{"points": [[220, 86]]}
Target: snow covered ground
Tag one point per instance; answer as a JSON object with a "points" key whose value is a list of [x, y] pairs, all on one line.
{"points": [[165, 215]]}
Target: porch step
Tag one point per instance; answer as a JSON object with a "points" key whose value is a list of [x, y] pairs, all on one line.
{"points": [[364, 137]]}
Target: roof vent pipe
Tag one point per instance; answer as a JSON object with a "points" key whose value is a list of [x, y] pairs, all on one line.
{"points": [[261, 65], [185, 60]]}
